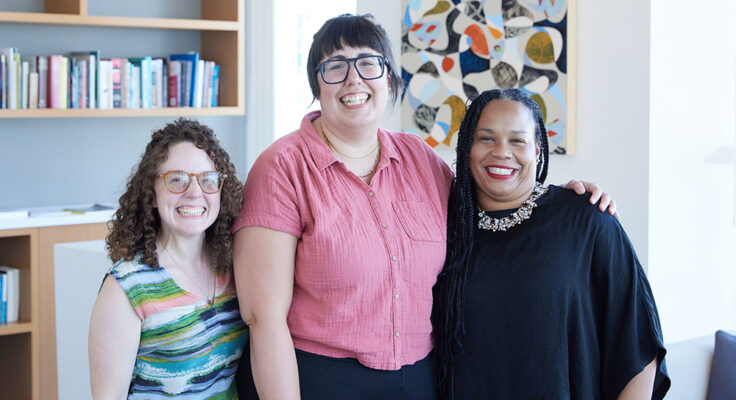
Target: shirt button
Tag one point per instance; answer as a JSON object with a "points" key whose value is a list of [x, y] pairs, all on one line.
{"points": [[396, 333], [393, 258], [396, 296], [383, 226], [370, 194]]}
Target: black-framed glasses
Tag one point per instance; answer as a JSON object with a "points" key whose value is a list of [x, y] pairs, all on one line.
{"points": [[178, 181], [368, 66]]}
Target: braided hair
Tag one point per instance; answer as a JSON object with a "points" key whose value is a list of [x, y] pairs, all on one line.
{"points": [[449, 292]]}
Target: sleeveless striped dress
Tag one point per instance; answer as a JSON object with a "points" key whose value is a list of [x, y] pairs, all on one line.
{"points": [[188, 349]]}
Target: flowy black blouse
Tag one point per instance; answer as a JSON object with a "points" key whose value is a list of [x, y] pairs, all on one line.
{"points": [[557, 307]]}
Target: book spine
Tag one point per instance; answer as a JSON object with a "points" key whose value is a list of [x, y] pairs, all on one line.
{"points": [[54, 82], [146, 87], [135, 86], [92, 82], [33, 90], [14, 295], [12, 84], [73, 83], [64, 82], [155, 85], [42, 63], [102, 84], [186, 74], [216, 86], [165, 84], [108, 71], [18, 82], [24, 84], [83, 81], [174, 70], [198, 84], [3, 297], [117, 82]]}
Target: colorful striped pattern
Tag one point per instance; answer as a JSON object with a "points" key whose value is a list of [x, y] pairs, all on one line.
{"points": [[188, 349]]}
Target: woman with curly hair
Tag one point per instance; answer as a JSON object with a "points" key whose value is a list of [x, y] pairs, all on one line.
{"points": [[166, 321]]}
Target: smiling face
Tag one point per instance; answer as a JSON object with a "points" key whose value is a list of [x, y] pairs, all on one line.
{"points": [[355, 103], [190, 213], [503, 156]]}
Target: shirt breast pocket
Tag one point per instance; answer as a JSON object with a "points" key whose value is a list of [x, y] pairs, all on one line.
{"points": [[420, 221]]}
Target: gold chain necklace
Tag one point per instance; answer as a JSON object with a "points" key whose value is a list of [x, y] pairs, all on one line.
{"points": [[375, 164], [210, 300], [324, 131], [520, 215], [333, 148]]}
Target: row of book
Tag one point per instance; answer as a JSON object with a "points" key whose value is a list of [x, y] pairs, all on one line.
{"points": [[84, 80], [9, 294]]}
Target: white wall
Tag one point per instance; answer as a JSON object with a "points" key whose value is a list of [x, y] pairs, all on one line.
{"points": [[613, 103], [692, 236]]}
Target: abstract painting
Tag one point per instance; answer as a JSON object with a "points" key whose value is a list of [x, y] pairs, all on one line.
{"points": [[453, 50]]}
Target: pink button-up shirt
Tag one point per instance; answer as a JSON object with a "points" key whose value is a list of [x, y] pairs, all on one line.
{"points": [[368, 254]]}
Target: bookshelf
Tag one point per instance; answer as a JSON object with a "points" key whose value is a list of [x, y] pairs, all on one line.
{"points": [[19, 249], [222, 34], [28, 347]]}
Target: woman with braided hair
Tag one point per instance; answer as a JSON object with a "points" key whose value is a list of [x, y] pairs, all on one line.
{"points": [[540, 296]]}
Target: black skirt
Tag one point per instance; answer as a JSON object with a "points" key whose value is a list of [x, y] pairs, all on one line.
{"points": [[324, 378]]}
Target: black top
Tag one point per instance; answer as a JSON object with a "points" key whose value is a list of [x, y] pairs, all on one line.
{"points": [[557, 307]]}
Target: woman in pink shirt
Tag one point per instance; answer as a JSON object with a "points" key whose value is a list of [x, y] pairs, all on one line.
{"points": [[341, 238]]}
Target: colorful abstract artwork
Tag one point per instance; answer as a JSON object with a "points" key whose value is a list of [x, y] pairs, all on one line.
{"points": [[453, 50]]}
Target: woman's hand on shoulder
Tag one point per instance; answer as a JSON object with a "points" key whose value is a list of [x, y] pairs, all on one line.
{"points": [[607, 203]]}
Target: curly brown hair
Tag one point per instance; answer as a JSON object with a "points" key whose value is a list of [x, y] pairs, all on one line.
{"points": [[135, 224]]}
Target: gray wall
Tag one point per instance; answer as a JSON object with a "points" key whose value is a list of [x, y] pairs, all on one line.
{"points": [[63, 161]]}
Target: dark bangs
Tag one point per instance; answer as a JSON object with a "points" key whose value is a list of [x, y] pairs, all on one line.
{"points": [[349, 30]]}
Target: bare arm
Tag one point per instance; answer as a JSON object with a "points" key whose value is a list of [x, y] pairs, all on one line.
{"points": [[642, 385], [114, 335], [264, 277]]}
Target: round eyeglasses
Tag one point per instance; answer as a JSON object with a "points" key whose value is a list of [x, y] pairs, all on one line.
{"points": [[336, 71], [178, 181]]}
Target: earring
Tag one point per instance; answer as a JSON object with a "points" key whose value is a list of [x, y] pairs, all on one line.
{"points": [[538, 160]]}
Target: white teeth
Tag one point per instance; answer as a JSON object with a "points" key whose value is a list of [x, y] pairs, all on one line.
{"points": [[355, 99], [190, 211], [500, 171]]}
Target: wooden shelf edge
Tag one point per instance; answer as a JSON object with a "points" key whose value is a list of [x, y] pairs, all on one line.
{"points": [[122, 112], [14, 328], [16, 232], [120, 22]]}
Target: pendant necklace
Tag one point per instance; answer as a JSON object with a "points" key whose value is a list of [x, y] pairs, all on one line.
{"points": [[210, 300]]}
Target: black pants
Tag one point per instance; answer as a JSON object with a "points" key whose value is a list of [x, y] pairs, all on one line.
{"points": [[327, 378]]}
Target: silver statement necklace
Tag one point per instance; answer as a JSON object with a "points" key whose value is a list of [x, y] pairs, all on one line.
{"points": [[520, 215]]}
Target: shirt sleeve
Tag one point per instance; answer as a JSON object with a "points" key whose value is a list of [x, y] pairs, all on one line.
{"points": [[270, 195], [629, 329]]}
